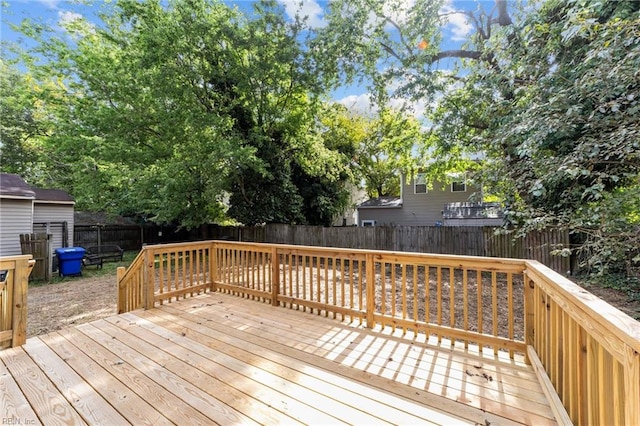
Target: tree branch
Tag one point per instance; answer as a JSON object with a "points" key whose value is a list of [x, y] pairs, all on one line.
{"points": [[468, 54]]}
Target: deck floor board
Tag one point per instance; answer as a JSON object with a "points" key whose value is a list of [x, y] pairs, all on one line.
{"points": [[222, 359]]}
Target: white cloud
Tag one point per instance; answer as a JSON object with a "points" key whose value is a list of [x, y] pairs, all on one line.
{"points": [[360, 104], [457, 23], [305, 8], [397, 11], [66, 17]]}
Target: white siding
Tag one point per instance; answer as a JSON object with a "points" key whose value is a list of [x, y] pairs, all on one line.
{"points": [[16, 217], [54, 213]]}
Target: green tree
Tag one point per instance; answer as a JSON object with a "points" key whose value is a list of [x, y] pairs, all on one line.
{"points": [[170, 111], [550, 99]]}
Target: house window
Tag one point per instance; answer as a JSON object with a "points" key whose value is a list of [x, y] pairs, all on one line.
{"points": [[420, 184], [458, 187], [368, 223]]}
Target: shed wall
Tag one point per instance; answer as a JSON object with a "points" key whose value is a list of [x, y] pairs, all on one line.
{"points": [[54, 214], [16, 217]]}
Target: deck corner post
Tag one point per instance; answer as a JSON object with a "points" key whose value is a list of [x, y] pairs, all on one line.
{"points": [[122, 295], [149, 277], [213, 266], [20, 288], [371, 290], [631, 386], [529, 314], [275, 275]]}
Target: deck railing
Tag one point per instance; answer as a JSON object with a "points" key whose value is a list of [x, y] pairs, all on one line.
{"points": [[585, 351], [14, 280]]}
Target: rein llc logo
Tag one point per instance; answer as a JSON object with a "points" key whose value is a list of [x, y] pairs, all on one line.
{"points": [[17, 421]]}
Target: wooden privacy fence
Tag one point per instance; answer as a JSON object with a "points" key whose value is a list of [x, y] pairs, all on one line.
{"points": [[38, 245], [585, 352], [462, 240], [14, 277]]}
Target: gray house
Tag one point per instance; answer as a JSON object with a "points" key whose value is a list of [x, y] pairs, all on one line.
{"points": [[422, 205], [25, 209]]}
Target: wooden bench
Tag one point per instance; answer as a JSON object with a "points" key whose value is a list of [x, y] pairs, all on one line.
{"points": [[96, 255]]}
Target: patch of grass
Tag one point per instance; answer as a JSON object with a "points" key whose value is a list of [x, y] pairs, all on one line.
{"points": [[624, 283], [108, 268]]}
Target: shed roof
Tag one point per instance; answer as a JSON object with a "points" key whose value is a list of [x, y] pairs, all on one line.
{"points": [[53, 195], [382, 202], [13, 186]]}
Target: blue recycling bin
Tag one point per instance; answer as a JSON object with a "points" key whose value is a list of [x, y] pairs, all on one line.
{"points": [[70, 260]]}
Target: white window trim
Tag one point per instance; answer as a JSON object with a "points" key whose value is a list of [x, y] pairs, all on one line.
{"points": [[415, 184], [459, 182], [368, 222]]}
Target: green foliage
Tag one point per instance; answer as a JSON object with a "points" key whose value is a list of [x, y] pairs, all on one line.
{"points": [[550, 101], [168, 111]]}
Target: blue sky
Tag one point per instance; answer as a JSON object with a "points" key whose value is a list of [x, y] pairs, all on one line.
{"points": [[52, 12]]}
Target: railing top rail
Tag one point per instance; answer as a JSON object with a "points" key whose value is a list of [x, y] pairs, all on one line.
{"points": [[593, 312], [9, 262], [444, 259], [132, 267]]}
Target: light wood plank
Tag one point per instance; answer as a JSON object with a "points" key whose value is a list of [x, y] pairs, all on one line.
{"points": [[51, 407], [433, 400], [130, 405], [127, 351], [13, 404], [484, 400], [300, 384], [313, 367], [84, 399], [174, 409], [229, 387]]}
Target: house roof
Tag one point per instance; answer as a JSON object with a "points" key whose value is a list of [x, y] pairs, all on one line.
{"points": [[382, 202], [13, 186], [53, 195]]}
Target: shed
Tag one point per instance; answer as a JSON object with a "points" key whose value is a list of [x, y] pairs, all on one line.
{"points": [[53, 213], [25, 209], [16, 212]]}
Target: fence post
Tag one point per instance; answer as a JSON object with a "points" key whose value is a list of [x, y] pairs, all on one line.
{"points": [[149, 277], [529, 314], [275, 276], [371, 291], [122, 302], [20, 286]]}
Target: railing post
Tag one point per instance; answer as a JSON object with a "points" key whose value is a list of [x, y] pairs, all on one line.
{"points": [[371, 291], [529, 314], [20, 287], [122, 295], [213, 265], [275, 276], [631, 387], [149, 277]]}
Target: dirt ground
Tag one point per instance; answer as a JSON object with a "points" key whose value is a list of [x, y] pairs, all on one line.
{"points": [[59, 305]]}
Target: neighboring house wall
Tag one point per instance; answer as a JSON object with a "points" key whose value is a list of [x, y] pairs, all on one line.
{"points": [[16, 217], [54, 214], [357, 196], [381, 216], [423, 209]]}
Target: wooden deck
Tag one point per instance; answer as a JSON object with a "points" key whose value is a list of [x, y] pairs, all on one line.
{"points": [[217, 358]]}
